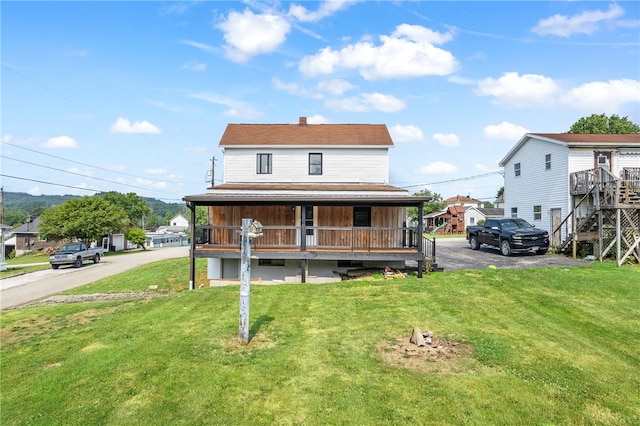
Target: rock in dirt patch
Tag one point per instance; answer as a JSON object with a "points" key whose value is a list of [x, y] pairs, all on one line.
{"points": [[438, 355]]}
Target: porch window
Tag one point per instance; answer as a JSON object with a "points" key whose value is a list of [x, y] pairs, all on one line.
{"points": [[514, 212], [263, 164], [350, 263], [315, 163], [516, 169], [537, 212], [362, 216], [271, 262], [547, 162]]}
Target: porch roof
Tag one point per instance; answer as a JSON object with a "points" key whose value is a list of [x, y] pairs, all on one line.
{"points": [[311, 194]]}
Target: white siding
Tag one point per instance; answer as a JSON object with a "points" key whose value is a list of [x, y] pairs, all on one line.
{"points": [[339, 165], [622, 161], [536, 185]]}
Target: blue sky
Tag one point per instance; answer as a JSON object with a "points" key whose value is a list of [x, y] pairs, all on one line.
{"points": [[134, 96]]}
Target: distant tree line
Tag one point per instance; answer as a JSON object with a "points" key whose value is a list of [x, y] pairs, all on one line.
{"points": [[147, 213]]}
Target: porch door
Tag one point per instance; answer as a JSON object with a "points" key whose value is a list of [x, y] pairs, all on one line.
{"points": [[310, 221], [556, 219]]}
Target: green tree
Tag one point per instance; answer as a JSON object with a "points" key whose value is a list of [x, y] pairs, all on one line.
{"points": [[86, 219], [136, 236], [602, 124], [434, 205], [135, 206], [202, 215]]}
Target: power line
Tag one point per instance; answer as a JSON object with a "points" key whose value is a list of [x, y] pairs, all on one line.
{"points": [[47, 89], [83, 175], [498, 172], [78, 162], [50, 183]]}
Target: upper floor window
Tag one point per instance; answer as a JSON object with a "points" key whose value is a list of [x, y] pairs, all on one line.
{"points": [[263, 164], [547, 162], [315, 163], [514, 212], [516, 169]]}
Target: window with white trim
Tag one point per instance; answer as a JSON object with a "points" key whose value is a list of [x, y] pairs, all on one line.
{"points": [[547, 162], [263, 164], [514, 212], [516, 169], [537, 212]]}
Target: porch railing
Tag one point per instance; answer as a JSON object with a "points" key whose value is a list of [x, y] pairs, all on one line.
{"points": [[313, 237]]}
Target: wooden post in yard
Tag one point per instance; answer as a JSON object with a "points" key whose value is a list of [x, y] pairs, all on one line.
{"points": [[245, 282]]}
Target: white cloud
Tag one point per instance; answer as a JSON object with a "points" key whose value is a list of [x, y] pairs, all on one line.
{"points": [[408, 133], [156, 171], [248, 34], [586, 22], [245, 112], [318, 119], [326, 9], [367, 102], [504, 131], [294, 89], [438, 167], [528, 90], [335, 86], [60, 142], [408, 52], [123, 125], [450, 140], [194, 66], [604, 96], [198, 45]]}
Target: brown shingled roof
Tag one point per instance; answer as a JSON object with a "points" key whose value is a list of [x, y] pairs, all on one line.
{"points": [[306, 134], [592, 138]]}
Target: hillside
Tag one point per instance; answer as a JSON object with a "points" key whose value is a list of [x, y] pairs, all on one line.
{"points": [[17, 205]]}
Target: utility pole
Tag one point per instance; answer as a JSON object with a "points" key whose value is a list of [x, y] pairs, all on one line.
{"points": [[1, 204], [213, 170]]}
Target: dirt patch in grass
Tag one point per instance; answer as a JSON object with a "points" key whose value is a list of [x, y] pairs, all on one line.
{"points": [[95, 297], [441, 356]]}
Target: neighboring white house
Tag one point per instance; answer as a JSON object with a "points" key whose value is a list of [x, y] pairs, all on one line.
{"points": [[179, 220], [537, 170]]}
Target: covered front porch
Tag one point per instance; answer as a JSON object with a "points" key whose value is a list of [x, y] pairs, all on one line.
{"points": [[310, 230]]}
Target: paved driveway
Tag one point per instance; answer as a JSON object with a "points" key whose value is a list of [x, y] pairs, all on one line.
{"points": [[35, 285], [454, 254]]}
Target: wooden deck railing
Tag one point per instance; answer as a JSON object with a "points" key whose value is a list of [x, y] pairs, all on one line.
{"points": [[313, 237]]}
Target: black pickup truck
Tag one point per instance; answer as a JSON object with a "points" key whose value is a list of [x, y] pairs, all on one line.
{"points": [[510, 235]]}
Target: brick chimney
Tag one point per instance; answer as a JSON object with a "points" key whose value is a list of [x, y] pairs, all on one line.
{"points": [[303, 121]]}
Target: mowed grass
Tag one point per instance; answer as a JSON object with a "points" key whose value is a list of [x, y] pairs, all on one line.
{"points": [[547, 346]]}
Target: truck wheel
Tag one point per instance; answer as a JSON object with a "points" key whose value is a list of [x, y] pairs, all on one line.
{"points": [[542, 251], [505, 248], [55, 266], [473, 242], [78, 262], [96, 259]]}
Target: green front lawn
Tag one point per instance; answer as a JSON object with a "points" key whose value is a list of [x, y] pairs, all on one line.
{"points": [[543, 346]]}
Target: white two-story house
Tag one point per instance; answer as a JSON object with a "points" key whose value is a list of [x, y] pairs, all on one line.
{"points": [[322, 194], [546, 174]]}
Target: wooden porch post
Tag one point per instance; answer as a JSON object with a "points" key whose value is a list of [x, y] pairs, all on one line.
{"points": [[303, 242]]}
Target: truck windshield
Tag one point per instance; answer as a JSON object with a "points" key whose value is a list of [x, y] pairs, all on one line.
{"points": [[71, 247], [516, 223]]}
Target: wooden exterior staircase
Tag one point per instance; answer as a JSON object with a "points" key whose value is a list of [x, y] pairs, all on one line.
{"points": [[605, 214]]}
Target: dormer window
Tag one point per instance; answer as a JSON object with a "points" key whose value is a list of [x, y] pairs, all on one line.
{"points": [[263, 164], [315, 163]]}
